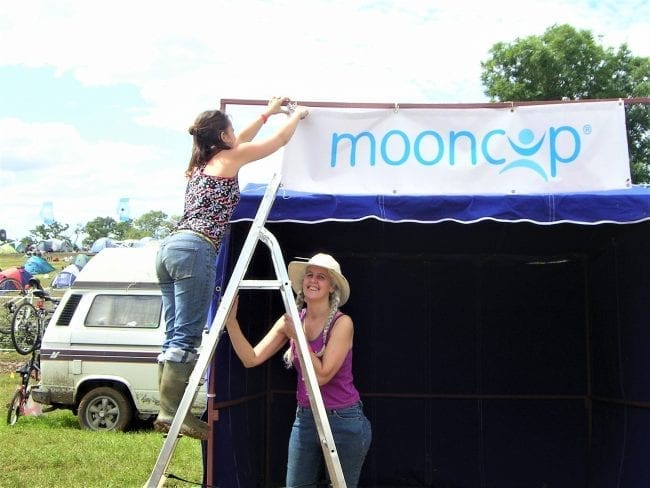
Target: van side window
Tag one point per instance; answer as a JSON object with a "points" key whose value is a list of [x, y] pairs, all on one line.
{"points": [[137, 311]]}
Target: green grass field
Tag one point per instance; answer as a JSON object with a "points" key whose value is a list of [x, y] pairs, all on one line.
{"points": [[9, 260], [51, 450], [57, 260]]}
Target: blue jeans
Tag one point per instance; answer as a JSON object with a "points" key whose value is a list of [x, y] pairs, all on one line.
{"points": [[352, 436], [186, 269]]}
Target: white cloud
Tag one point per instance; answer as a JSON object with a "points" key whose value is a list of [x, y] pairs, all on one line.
{"points": [[185, 57], [193, 54], [51, 162]]}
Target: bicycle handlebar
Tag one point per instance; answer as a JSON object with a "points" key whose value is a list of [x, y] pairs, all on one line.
{"points": [[42, 294]]}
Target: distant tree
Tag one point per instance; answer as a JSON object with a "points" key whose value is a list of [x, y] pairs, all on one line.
{"points": [[54, 230], [565, 63], [123, 230], [27, 241], [151, 224], [637, 118], [97, 228], [155, 224]]}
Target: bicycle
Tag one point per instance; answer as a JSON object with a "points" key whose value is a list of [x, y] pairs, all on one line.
{"points": [[19, 403], [30, 320]]}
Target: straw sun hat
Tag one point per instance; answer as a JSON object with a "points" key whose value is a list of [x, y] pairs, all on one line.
{"points": [[297, 270]]}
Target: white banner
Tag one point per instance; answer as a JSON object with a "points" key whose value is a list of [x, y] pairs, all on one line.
{"points": [[550, 148]]}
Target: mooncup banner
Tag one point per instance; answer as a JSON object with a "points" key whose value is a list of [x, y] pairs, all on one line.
{"points": [[553, 148]]}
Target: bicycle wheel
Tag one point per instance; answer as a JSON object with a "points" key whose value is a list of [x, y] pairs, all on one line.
{"points": [[25, 328], [11, 295], [14, 408]]}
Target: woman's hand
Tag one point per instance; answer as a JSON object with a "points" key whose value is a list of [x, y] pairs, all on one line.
{"points": [[288, 329], [302, 111], [275, 105]]}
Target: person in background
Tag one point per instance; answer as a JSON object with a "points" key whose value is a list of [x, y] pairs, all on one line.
{"points": [[321, 289], [186, 259]]}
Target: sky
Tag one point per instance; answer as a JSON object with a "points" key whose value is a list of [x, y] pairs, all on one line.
{"points": [[96, 97]]}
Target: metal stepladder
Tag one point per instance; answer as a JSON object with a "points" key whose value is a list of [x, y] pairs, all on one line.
{"points": [[256, 234]]}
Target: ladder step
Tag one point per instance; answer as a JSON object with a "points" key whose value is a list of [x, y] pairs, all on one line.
{"points": [[260, 284]]}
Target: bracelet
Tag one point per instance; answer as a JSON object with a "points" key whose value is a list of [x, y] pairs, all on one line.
{"points": [[264, 118]]}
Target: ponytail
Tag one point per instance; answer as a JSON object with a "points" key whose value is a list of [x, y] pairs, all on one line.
{"points": [[206, 133]]}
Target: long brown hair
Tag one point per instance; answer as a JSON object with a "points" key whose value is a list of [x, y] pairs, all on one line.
{"points": [[206, 132]]}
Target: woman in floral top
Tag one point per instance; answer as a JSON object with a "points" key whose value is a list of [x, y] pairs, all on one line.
{"points": [[186, 260]]}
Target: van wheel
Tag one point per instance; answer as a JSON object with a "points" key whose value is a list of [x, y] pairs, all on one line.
{"points": [[104, 408]]}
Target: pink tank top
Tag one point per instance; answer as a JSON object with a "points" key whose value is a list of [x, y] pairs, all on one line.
{"points": [[340, 392]]}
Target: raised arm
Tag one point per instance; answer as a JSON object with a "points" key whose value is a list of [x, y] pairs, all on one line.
{"points": [[228, 162], [247, 152], [270, 344], [274, 107]]}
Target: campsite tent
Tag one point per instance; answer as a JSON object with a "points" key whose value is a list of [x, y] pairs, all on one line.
{"points": [[17, 273], [148, 241], [54, 245], [66, 277], [500, 340], [7, 248], [102, 243], [18, 246], [80, 260], [38, 265]]}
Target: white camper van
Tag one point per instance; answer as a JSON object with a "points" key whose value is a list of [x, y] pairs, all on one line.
{"points": [[98, 353]]}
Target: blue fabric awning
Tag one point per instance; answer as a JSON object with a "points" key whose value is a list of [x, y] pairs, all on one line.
{"points": [[614, 206]]}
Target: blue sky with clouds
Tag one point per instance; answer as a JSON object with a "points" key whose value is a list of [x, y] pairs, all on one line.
{"points": [[95, 97]]}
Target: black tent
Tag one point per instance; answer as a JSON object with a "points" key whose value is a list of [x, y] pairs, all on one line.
{"points": [[501, 341]]}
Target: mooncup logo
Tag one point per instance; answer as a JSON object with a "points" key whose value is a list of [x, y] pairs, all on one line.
{"points": [[540, 153]]}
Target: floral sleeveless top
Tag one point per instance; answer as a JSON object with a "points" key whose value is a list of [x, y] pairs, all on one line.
{"points": [[209, 204]]}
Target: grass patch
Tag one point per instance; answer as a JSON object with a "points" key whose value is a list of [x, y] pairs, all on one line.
{"points": [[52, 450], [12, 260], [57, 260]]}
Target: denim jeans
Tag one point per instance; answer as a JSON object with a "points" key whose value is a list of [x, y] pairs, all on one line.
{"points": [[352, 436], [186, 269]]}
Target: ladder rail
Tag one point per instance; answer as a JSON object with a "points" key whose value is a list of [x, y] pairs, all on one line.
{"points": [[328, 445], [256, 233], [213, 335]]}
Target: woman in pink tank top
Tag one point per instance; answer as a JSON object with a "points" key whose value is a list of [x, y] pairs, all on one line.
{"points": [[321, 289]]}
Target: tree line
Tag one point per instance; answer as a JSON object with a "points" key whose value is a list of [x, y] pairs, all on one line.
{"points": [[154, 224]]}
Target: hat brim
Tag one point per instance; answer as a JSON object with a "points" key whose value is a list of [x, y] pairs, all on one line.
{"points": [[296, 270]]}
